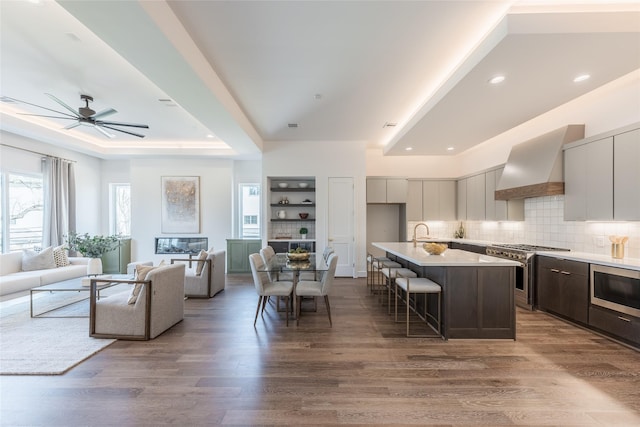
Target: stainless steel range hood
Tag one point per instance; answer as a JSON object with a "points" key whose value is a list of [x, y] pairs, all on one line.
{"points": [[534, 167]]}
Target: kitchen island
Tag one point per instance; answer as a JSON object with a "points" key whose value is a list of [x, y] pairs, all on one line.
{"points": [[477, 289]]}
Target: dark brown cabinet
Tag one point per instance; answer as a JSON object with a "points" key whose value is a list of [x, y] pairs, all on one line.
{"points": [[478, 302], [563, 287], [619, 325]]}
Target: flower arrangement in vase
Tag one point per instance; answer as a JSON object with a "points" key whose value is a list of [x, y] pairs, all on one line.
{"points": [[92, 247]]}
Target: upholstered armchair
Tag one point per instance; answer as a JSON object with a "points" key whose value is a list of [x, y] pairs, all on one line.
{"points": [[153, 304], [204, 275]]}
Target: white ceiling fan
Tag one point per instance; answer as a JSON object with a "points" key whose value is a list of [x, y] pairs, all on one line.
{"points": [[85, 116]]}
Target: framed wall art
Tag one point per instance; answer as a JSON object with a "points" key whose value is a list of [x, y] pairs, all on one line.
{"points": [[180, 204]]}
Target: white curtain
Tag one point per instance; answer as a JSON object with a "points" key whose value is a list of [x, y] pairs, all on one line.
{"points": [[59, 200]]}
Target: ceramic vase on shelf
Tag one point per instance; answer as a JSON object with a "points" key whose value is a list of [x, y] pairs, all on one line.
{"points": [[94, 266]]}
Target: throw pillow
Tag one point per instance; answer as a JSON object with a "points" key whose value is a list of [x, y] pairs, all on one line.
{"points": [[202, 256], [60, 256], [43, 260], [141, 274]]}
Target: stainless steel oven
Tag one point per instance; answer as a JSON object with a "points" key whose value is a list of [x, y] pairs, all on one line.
{"points": [[615, 288]]}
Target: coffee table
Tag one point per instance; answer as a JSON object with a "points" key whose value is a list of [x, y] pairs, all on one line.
{"points": [[71, 285]]}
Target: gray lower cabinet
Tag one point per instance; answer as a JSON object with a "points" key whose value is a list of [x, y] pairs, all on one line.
{"points": [[238, 251], [563, 287]]}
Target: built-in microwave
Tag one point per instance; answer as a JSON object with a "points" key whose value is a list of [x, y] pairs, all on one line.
{"points": [[616, 288]]}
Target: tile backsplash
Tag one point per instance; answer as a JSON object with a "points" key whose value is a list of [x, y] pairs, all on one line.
{"points": [[544, 225]]}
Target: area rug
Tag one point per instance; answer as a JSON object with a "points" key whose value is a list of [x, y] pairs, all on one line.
{"points": [[45, 345]]}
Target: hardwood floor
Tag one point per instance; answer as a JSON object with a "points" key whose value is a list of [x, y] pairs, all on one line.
{"points": [[215, 368]]}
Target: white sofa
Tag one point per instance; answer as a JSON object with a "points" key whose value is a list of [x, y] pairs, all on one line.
{"points": [[13, 279]]}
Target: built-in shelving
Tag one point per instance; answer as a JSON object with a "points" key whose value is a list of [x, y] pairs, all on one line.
{"points": [[294, 195]]}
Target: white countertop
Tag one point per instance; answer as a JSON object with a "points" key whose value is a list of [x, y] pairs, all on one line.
{"points": [[630, 263], [450, 257]]}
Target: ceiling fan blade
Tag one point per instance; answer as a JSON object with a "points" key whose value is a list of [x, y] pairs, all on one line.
{"points": [[123, 131], [73, 125], [62, 103], [104, 113], [134, 125], [74, 116], [51, 117], [104, 132]]}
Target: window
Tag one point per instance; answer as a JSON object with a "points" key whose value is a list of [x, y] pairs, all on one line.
{"points": [[250, 211], [22, 211], [120, 209]]}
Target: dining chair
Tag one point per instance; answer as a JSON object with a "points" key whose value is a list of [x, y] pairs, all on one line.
{"points": [[313, 275], [267, 253], [315, 288], [266, 288]]}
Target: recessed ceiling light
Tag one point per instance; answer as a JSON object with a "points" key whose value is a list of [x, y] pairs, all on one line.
{"points": [[450, 148], [581, 78], [409, 148], [210, 135], [497, 79]]}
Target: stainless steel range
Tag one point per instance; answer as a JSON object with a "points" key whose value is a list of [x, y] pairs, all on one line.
{"points": [[524, 254]]}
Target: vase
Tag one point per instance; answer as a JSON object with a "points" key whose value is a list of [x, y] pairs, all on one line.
{"points": [[94, 266], [303, 236]]}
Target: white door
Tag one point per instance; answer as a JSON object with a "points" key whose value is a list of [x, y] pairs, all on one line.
{"points": [[341, 221]]}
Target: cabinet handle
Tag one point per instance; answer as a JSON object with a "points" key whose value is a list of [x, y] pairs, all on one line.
{"points": [[565, 272], [625, 319], [554, 270]]}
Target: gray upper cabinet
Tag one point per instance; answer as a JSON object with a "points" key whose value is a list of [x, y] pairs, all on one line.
{"points": [[461, 196], [602, 177], [433, 200], [439, 200], [490, 191], [588, 188], [386, 190], [626, 176], [476, 197], [414, 200], [503, 210], [397, 190]]}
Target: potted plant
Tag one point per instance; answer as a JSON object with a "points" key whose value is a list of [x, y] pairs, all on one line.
{"points": [[92, 247], [303, 232]]}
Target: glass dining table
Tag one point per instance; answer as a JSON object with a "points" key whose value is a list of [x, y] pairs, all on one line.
{"points": [[280, 263]]}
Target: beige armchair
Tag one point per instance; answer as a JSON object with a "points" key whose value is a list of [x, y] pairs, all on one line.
{"points": [[206, 281], [158, 306]]}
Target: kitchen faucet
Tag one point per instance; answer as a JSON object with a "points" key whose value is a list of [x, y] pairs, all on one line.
{"points": [[415, 229]]}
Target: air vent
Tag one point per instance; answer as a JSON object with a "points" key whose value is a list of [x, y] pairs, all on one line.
{"points": [[293, 125], [389, 125]]}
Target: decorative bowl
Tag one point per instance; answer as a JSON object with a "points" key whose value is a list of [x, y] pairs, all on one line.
{"points": [[283, 184], [298, 256], [303, 184], [435, 248], [303, 215]]}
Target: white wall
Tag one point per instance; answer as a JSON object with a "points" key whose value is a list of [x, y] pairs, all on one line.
{"points": [[87, 171], [322, 159], [216, 177]]}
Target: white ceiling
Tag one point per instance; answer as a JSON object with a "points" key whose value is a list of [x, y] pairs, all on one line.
{"points": [[245, 70]]}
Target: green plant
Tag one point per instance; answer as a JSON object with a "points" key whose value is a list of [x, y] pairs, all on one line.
{"points": [[91, 246], [303, 230]]}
